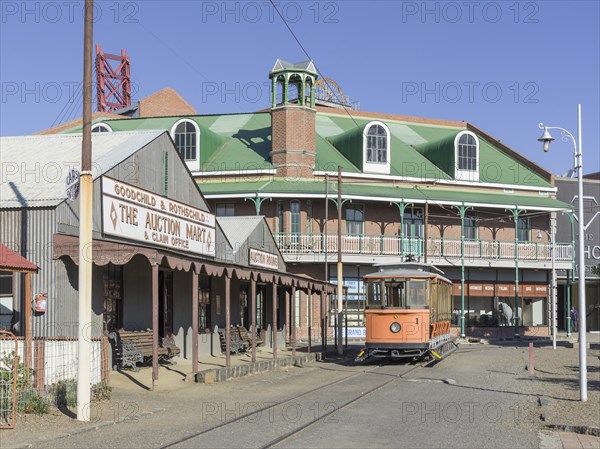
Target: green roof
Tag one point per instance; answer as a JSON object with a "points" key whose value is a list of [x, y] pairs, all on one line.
{"points": [[233, 142], [383, 192]]}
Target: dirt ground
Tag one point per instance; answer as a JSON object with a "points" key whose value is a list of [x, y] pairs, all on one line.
{"points": [[556, 382]]}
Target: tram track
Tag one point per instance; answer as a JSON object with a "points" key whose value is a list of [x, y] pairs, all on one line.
{"points": [[325, 416], [269, 409]]}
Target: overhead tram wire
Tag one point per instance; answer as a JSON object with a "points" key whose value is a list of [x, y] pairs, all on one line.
{"points": [[181, 58], [73, 104], [348, 112], [308, 56], [60, 117]]}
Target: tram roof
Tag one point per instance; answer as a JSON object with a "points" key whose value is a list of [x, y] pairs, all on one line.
{"points": [[405, 273]]}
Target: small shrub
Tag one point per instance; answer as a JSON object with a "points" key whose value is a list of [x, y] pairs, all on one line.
{"points": [[101, 391], [66, 393], [29, 401]]}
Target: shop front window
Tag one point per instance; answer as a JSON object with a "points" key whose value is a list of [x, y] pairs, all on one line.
{"points": [[6, 300]]}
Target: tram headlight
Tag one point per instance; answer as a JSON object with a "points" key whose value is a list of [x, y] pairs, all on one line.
{"points": [[395, 327]]}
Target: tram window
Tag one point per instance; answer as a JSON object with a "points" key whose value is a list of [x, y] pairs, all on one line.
{"points": [[374, 295], [395, 295], [417, 294]]}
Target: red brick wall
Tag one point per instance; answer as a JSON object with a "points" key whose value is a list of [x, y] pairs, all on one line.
{"points": [[383, 218]]}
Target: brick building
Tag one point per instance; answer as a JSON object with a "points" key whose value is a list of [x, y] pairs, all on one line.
{"points": [[438, 191]]}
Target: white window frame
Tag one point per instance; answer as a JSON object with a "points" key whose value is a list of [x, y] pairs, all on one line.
{"points": [[102, 125], [193, 164], [466, 175], [376, 167]]}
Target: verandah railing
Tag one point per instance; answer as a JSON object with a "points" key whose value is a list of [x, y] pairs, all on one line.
{"points": [[384, 245]]}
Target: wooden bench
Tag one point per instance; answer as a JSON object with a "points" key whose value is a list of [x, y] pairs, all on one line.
{"points": [[240, 340], [133, 347]]}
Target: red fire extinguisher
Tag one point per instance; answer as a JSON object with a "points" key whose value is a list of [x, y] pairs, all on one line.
{"points": [[40, 303]]}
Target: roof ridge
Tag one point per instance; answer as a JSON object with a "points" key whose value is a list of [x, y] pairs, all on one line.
{"points": [[391, 116]]}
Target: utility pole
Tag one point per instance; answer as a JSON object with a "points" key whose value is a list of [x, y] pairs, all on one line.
{"points": [[325, 247], [85, 227], [340, 276]]}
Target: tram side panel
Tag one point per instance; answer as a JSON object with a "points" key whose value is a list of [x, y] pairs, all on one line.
{"points": [[414, 327]]}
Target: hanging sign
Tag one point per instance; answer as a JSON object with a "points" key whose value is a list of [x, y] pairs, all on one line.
{"points": [[72, 184], [137, 214]]}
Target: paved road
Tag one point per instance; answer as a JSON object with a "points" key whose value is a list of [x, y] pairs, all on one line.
{"points": [[465, 401]]}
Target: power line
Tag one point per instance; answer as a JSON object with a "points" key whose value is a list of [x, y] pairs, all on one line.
{"points": [[308, 56]]}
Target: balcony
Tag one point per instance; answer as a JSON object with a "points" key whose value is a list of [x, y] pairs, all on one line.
{"points": [[437, 249]]}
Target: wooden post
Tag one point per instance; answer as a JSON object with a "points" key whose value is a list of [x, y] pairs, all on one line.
{"points": [[253, 319], [227, 320], [293, 321], [274, 327], [531, 363], [104, 354], [28, 330], [287, 317], [194, 322], [39, 366], [154, 324]]}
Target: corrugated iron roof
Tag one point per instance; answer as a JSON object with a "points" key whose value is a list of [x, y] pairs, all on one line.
{"points": [[34, 168], [238, 229], [11, 261]]}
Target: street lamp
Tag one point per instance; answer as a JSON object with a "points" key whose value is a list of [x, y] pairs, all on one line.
{"points": [[547, 139]]}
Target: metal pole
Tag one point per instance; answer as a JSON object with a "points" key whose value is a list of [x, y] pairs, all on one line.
{"points": [[516, 217], [571, 274], [577, 148], [85, 228], [325, 225], [553, 286], [581, 257], [324, 322], [340, 276], [462, 272], [462, 211]]}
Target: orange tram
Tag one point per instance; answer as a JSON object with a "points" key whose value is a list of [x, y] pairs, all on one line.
{"points": [[408, 313]]}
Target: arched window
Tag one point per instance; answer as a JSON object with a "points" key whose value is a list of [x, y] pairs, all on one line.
{"points": [[467, 156], [186, 136], [377, 144], [467, 153], [101, 128]]}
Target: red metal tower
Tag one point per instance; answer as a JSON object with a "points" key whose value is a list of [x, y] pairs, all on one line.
{"points": [[113, 86]]}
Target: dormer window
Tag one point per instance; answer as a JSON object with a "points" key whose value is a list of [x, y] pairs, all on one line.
{"points": [[186, 135], [466, 146], [376, 148], [101, 128], [377, 144]]}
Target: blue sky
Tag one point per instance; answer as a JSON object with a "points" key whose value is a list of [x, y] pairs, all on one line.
{"points": [[501, 65]]}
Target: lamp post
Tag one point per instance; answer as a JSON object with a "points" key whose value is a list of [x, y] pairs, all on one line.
{"points": [[546, 139]]}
